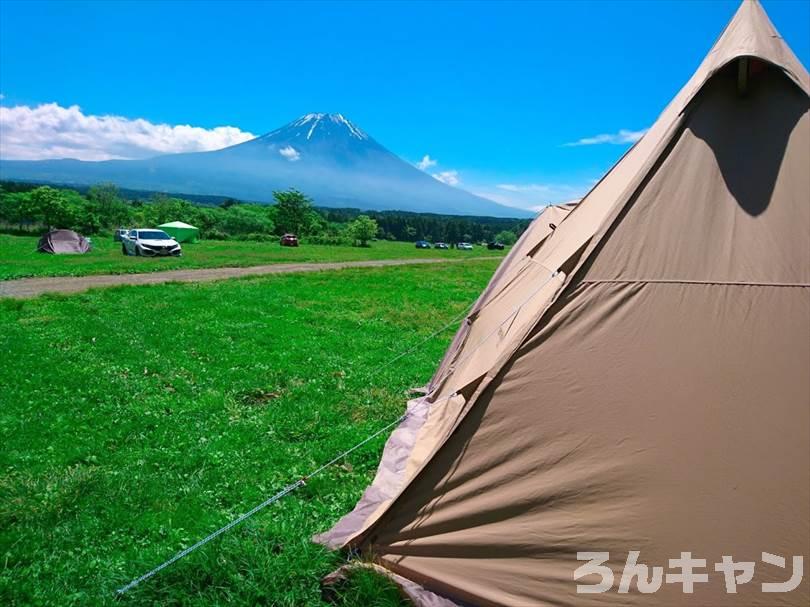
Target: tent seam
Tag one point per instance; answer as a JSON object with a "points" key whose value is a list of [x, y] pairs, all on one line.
{"points": [[733, 283]]}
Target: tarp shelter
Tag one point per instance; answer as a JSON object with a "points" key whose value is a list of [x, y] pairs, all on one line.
{"points": [[636, 383], [181, 232], [63, 241]]}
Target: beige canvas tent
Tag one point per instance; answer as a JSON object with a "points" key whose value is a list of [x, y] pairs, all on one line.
{"points": [[635, 382]]}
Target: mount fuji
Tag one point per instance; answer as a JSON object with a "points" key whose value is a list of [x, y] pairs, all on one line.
{"points": [[325, 156]]}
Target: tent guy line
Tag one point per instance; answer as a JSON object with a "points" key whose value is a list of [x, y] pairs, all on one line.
{"points": [[271, 500], [302, 481]]}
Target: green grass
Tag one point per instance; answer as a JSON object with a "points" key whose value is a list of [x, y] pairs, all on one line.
{"points": [[136, 420], [19, 258]]}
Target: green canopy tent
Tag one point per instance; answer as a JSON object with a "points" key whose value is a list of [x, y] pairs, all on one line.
{"points": [[181, 232]]}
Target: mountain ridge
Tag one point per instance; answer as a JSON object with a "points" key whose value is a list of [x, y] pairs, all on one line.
{"points": [[326, 156]]}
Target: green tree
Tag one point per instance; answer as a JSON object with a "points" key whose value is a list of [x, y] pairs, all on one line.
{"points": [[16, 208], [50, 206], [164, 209], [208, 219], [80, 214], [363, 229], [294, 212], [506, 237], [111, 209], [242, 219]]}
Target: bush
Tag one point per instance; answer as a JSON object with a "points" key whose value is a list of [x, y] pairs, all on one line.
{"points": [[506, 237], [247, 219], [215, 234], [328, 239], [362, 229], [257, 237]]}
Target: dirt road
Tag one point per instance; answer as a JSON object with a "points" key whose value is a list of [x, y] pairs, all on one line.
{"points": [[31, 287]]}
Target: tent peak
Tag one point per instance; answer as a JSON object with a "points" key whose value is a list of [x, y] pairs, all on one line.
{"points": [[750, 33]]}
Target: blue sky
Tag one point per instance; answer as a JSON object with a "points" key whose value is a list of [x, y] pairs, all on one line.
{"points": [[491, 91]]}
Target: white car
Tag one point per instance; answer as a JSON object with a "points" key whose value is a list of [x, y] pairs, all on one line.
{"points": [[150, 243], [464, 246]]}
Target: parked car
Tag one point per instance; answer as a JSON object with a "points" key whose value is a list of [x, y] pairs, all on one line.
{"points": [[150, 243], [464, 246], [441, 245], [422, 244], [119, 234], [289, 240], [495, 246]]}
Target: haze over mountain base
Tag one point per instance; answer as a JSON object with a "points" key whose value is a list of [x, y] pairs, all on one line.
{"points": [[324, 155]]}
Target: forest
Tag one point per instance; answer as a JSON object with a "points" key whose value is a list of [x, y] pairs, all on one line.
{"points": [[27, 208]]}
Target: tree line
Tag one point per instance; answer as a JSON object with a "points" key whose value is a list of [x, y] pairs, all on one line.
{"points": [[408, 226], [31, 208]]}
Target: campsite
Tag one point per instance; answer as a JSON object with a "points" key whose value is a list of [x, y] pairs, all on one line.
{"points": [[20, 259], [297, 369]]}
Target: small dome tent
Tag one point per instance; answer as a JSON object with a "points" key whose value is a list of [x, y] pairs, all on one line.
{"points": [[181, 232], [60, 242]]}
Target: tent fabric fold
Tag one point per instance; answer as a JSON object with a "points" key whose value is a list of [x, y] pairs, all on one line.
{"points": [[399, 457], [633, 380]]}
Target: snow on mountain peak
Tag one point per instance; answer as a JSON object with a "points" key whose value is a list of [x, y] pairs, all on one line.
{"points": [[314, 120], [356, 132]]}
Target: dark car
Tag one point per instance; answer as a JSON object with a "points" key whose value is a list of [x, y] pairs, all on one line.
{"points": [[289, 240], [441, 245], [495, 246], [422, 244]]}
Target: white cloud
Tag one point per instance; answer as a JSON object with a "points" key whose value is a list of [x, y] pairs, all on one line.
{"points": [[426, 162], [622, 137], [448, 177], [290, 153], [52, 131]]}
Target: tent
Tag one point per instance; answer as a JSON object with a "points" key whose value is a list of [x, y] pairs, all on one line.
{"points": [[633, 388], [63, 241], [181, 232]]}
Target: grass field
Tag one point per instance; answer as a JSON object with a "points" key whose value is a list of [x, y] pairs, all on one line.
{"points": [[19, 258], [136, 420]]}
